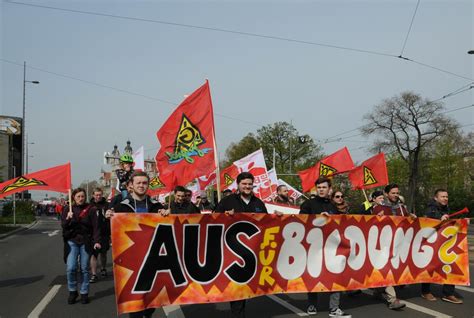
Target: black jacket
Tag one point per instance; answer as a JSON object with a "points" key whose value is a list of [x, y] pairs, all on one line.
{"points": [[318, 205], [183, 208], [129, 204], [234, 201], [104, 223], [81, 229], [435, 210]]}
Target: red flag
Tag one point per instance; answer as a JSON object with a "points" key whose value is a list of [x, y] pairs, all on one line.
{"points": [[187, 139], [228, 176], [207, 180], [336, 163], [53, 179], [370, 174], [161, 184]]}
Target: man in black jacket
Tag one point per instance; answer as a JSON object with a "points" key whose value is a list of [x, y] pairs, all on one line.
{"points": [[321, 204], [241, 201], [100, 203], [181, 205], [138, 202], [438, 209]]}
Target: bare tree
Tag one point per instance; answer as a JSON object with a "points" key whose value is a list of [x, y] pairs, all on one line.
{"points": [[407, 124]]}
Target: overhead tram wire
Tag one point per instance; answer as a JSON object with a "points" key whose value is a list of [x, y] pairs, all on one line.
{"points": [[250, 34], [409, 29], [122, 90], [192, 26]]}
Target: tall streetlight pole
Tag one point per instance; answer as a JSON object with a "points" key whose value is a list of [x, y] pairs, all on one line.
{"points": [[23, 132]]}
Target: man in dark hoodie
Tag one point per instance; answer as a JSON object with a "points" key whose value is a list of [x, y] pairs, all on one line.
{"points": [[321, 204], [438, 209], [181, 205], [243, 200], [100, 203], [138, 202]]}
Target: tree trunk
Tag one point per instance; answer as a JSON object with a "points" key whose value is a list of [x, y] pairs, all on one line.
{"points": [[413, 181]]}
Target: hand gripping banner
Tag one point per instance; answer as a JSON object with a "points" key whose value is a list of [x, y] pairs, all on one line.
{"points": [[189, 259]]}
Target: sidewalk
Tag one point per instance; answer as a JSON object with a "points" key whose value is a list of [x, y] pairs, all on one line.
{"points": [[21, 227]]}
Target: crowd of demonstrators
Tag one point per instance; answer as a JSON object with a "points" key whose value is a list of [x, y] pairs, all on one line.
{"points": [[81, 237], [86, 230]]}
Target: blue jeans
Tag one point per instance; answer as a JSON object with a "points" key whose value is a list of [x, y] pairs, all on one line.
{"points": [[71, 267]]}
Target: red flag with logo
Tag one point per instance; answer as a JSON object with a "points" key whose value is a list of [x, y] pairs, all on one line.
{"points": [[161, 184], [228, 177], [187, 139], [53, 179], [370, 174], [336, 163]]}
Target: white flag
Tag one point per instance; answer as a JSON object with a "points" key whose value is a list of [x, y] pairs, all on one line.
{"points": [[292, 192], [139, 159]]}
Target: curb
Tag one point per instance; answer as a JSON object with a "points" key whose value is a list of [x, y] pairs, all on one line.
{"points": [[21, 229]]}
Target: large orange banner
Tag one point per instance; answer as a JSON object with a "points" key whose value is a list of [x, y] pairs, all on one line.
{"points": [[188, 259]]}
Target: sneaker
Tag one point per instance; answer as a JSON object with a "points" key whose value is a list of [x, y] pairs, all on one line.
{"points": [[72, 297], [311, 310], [93, 279], [396, 304], [452, 299], [338, 313], [84, 298], [428, 297], [103, 272]]}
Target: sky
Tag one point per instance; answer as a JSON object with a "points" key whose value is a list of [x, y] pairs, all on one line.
{"points": [[105, 80]]}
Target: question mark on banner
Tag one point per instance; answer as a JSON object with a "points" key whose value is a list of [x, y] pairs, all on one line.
{"points": [[451, 232]]}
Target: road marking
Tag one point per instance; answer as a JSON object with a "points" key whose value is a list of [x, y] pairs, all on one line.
{"points": [[44, 302], [416, 307], [287, 305], [173, 311], [467, 289], [55, 232]]}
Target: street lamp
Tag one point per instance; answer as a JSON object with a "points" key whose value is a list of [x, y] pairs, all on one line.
{"points": [[26, 154], [470, 52], [23, 133]]}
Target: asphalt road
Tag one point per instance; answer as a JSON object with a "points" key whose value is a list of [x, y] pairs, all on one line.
{"points": [[33, 283]]}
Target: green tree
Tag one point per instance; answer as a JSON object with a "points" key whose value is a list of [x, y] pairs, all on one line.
{"points": [[407, 124], [89, 186], [293, 151], [450, 166]]}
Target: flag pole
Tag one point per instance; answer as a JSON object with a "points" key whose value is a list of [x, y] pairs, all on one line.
{"points": [[365, 195], [216, 155], [70, 199]]}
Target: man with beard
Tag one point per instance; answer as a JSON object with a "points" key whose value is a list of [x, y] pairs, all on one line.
{"points": [[282, 196]]}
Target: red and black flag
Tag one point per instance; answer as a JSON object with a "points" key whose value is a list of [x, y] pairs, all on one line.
{"points": [[370, 174], [187, 139], [53, 179], [336, 163]]}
